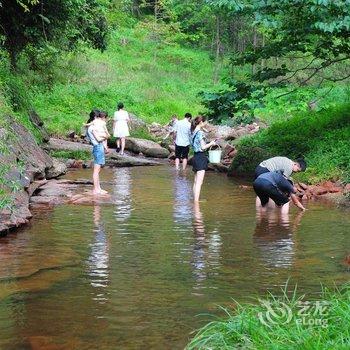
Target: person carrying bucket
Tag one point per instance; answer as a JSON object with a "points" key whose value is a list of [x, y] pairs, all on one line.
{"points": [[200, 160]]}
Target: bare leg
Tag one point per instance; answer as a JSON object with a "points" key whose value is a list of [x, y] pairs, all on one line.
{"points": [[271, 204], [177, 163], [285, 208], [96, 179], [198, 184], [118, 143], [258, 202], [123, 145], [184, 163]]}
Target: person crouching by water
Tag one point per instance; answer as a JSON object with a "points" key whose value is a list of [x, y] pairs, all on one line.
{"points": [[121, 127], [200, 160], [97, 136], [275, 186]]}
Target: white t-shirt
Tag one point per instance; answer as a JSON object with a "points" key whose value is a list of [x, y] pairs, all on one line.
{"points": [[183, 132]]}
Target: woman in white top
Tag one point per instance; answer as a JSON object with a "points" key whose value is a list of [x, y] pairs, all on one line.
{"points": [[121, 127]]}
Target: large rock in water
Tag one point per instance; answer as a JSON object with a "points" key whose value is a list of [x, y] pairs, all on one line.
{"points": [[147, 147], [25, 162]]}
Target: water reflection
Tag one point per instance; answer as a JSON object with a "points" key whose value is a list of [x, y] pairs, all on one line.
{"points": [[98, 261], [182, 201], [274, 237], [199, 251], [122, 191]]}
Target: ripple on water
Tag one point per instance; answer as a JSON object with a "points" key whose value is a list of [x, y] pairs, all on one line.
{"points": [[135, 273]]}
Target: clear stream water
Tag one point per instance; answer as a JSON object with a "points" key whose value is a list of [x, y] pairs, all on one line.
{"points": [[147, 270]]}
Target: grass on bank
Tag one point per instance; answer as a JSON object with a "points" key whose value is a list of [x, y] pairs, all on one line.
{"points": [[243, 329], [154, 79], [322, 137]]}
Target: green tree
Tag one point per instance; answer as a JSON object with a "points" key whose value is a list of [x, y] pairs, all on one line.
{"points": [[61, 24]]}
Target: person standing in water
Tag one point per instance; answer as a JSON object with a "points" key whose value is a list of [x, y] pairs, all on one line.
{"points": [[121, 127], [200, 160], [98, 151], [182, 130]]}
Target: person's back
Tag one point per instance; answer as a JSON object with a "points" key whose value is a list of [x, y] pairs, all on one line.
{"points": [[283, 164], [183, 133], [121, 115]]}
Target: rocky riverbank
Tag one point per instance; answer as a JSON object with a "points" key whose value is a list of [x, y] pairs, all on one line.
{"points": [[28, 173], [23, 165]]}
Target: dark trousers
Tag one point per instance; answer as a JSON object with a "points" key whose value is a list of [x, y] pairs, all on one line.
{"points": [[260, 170], [265, 190]]}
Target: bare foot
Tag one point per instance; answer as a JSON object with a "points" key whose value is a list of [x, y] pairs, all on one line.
{"points": [[96, 193], [99, 192]]}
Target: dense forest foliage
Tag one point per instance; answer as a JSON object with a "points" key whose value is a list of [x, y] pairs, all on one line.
{"points": [[232, 60]]}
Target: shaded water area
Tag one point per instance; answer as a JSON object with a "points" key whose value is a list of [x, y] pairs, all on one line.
{"points": [[142, 272]]}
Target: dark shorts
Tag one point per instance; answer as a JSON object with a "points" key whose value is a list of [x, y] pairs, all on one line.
{"points": [[200, 161], [181, 152], [99, 154], [265, 190], [259, 170]]}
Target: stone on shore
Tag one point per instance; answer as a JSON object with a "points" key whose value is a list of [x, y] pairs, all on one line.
{"points": [[63, 145], [116, 160], [147, 147]]}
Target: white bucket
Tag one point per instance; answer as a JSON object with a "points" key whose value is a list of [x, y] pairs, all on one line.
{"points": [[215, 156]]}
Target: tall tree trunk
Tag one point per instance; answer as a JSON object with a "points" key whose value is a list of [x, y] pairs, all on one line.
{"points": [[217, 50], [263, 60], [255, 42]]}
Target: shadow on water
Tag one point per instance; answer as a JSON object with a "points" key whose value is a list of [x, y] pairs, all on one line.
{"points": [[136, 272]]}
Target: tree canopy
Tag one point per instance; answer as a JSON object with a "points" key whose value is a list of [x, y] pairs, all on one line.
{"points": [[60, 24]]}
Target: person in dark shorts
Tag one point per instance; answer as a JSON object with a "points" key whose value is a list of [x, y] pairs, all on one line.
{"points": [[181, 152], [200, 159], [273, 185], [283, 164], [182, 131]]}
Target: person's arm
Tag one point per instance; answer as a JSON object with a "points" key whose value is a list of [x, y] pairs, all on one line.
{"points": [[108, 135], [296, 202], [205, 146]]}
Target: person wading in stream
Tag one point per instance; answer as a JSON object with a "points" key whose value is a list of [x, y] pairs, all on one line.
{"points": [[274, 185], [200, 160], [94, 134], [182, 130]]}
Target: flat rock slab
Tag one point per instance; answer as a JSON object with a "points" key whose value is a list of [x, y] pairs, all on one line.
{"points": [[56, 192], [63, 145], [116, 160]]}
